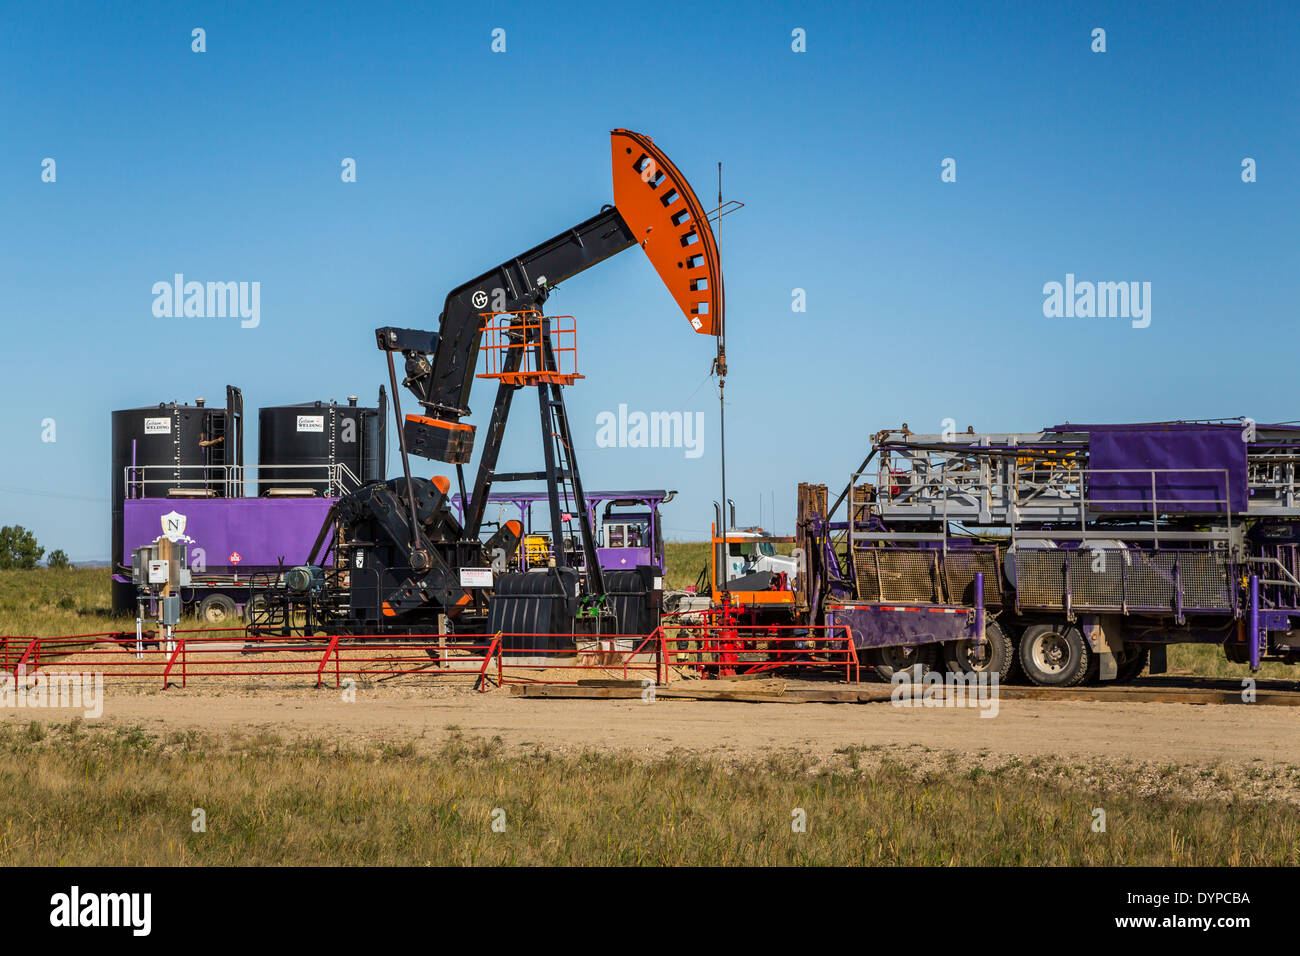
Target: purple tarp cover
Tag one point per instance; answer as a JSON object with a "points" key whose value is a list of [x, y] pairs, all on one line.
{"points": [[1181, 446], [260, 530]]}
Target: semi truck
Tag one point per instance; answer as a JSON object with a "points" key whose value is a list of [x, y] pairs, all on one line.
{"points": [[1071, 554]]}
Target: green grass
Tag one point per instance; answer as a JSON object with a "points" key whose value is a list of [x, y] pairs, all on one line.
{"points": [[1207, 660], [685, 559], [123, 797], [46, 602]]}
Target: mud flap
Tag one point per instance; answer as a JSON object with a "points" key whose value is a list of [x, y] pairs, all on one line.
{"points": [[1159, 661], [1103, 634]]}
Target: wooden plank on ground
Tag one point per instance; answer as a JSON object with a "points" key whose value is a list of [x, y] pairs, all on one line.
{"points": [[882, 693], [770, 685], [1149, 695], [700, 690], [843, 694], [755, 675], [563, 692], [685, 690]]}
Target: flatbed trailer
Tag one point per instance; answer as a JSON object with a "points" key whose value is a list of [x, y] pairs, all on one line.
{"points": [[1073, 554]]}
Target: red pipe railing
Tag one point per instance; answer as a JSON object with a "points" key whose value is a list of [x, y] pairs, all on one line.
{"points": [[708, 648], [726, 650]]}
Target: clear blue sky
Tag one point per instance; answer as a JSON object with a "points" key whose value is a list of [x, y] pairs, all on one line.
{"points": [[924, 298]]}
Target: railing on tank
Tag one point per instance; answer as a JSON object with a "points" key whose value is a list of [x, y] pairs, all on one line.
{"points": [[230, 481], [1280, 588], [980, 490], [1143, 507], [1271, 478]]}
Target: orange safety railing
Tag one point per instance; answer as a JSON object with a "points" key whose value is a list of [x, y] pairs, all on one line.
{"points": [[528, 663], [713, 648], [520, 333], [709, 649], [202, 653], [230, 652]]}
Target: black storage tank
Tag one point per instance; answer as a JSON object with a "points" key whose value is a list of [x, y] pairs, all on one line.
{"points": [[170, 450], [297, 444]]}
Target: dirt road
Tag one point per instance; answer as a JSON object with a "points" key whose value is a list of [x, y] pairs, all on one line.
{"points": [[1174, 734]]}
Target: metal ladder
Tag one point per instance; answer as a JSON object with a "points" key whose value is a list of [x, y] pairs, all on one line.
{"points": [[564, 483]]}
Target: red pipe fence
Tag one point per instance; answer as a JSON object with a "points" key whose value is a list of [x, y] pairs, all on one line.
{"points": [[674, 648]]}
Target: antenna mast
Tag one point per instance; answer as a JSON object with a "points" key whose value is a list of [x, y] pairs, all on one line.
{"points": [[720, 366]]}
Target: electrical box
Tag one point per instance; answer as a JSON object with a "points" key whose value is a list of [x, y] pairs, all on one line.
{"points": [[140, 559], [171, 609], [159, 572]]}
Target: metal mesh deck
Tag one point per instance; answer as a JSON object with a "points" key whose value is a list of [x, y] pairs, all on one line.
{"points": [[1113, 579], [921, 576]]}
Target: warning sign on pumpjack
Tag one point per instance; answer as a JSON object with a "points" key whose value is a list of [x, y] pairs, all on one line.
{"points": [[476, 577]]}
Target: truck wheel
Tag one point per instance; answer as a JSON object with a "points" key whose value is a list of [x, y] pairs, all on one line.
{"points": [[1133, 663], [1014, 631], [888, 661], [1054, 655], [995, 656], [217, 609], [255, 610]]}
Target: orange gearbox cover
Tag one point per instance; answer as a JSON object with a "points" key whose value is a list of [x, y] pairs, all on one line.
{"points": [[668, 221]]}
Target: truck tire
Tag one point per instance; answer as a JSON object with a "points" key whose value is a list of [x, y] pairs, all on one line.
{"points": [[888, 661], [1014, 631], [255, 608], [1132, 665], [1054, 655], [217, 609], [995, 657]]}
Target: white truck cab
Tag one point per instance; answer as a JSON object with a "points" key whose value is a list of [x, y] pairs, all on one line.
{"points": [[756, 553]]}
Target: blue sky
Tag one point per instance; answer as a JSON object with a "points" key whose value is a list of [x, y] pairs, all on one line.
{"points": [[924, 298]]}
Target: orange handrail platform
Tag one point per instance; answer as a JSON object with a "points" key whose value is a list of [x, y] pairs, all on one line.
{"points": [[519, 334]]}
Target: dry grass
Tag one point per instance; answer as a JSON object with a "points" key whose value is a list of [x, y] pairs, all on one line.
{"points": [[47, 602], [685, 559], [103, 796], [1207, 660], [106, 798]]}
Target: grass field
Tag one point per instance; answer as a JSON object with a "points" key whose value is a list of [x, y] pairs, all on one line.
{"points": [[685, 559], [104, 797], [47, 602], [96, 794]]}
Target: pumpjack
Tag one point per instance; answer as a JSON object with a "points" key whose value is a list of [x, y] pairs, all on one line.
{"points": [[407, 557]]}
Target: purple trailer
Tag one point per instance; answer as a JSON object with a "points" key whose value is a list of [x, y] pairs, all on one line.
{"points": [[627, 526], [230, 536], [179, 470], [236, 542], [233, 543]]}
